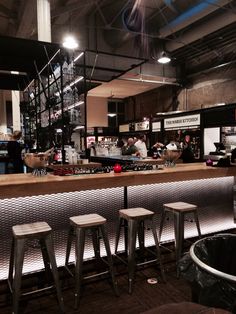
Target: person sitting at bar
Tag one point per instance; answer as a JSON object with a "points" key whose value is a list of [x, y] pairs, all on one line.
{"points": [[156, 150], [130, 148], [141, 146]]}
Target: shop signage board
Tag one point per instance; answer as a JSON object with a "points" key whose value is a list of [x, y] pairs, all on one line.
{"points": [[156, 126], [182, 122], [124, 128], [142, 126]]}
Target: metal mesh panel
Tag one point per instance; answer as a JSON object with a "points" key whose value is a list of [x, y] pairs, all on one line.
{"points": [[213, 196], [55, 209]]}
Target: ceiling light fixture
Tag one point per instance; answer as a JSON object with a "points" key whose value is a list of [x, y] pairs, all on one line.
{"points": [[111, 115], [163, 58], [70, 42]]}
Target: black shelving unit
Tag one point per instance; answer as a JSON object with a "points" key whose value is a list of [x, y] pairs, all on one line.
{"points": [[53, 104]]}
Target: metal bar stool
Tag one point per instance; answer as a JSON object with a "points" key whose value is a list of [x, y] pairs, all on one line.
{"points": [[78, 227], [136, 218], [21, 233], [179, 210]]}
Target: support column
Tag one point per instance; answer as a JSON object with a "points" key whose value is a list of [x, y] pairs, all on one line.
{"points": [[15, 95], [3, 115], [44, 20], [234, 198]]}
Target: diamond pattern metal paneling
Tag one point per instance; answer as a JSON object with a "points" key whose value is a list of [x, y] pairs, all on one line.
{"points": [[55, 210], [213, 196]]}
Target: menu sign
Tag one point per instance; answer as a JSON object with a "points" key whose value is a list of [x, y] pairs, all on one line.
{"points": [[182, 122]]}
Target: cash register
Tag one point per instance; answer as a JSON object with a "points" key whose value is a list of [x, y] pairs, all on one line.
{"points": [[218, 153]]}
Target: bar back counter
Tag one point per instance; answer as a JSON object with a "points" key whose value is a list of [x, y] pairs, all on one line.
{"points": [[50, 198]]}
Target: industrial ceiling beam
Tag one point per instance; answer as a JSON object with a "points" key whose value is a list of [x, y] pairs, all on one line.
{"points": [[191, 15], [201, 30]]}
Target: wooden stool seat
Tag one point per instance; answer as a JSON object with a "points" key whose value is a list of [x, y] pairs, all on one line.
{"points": [[95, 224], [179, 209], [31, 230], [39, 231], [133, 219], [85, 221], [130, 213]]}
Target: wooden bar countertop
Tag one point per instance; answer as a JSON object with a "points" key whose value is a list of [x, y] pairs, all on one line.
{"points": [[20, 185]]}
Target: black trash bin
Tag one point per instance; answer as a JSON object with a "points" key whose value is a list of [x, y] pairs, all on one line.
{"points": [[210, 267]]}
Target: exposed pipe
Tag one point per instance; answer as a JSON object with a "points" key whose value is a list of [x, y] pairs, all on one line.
{"points": [[212, 68], [141, 80], [191, 15]]}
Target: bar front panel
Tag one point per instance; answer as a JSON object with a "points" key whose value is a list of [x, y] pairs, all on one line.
{"points": [[214, 197]]}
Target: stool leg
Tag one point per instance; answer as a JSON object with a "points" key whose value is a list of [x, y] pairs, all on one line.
{"points": [[68, 249], [197, 223], [141, 236], [69, 243], [119, 226], [163, 216], [132, 231], [19, 258], [109, 258], [96, 242], [45, 259], [154, 232], [52, 259], [11, 265], [125, 225], [79, 252], [179, 236]]}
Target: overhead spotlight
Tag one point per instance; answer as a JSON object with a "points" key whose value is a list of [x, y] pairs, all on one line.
{"points": [[111, 115], [163, 58], [70, 42]]}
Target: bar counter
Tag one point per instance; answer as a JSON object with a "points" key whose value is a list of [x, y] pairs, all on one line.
{"points": [[20, 185], [26, 198]]}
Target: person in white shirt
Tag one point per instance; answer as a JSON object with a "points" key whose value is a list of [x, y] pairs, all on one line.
{"points": [[141, 145]]}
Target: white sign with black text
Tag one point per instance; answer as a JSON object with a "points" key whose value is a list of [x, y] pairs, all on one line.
{"points": [[184, 121]]}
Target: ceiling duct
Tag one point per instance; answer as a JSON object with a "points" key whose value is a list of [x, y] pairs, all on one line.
{"points": [[192, 15], [132, 19], [128, 25]]}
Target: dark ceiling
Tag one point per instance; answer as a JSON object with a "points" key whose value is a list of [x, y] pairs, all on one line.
{"points": [[198, 34]]}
